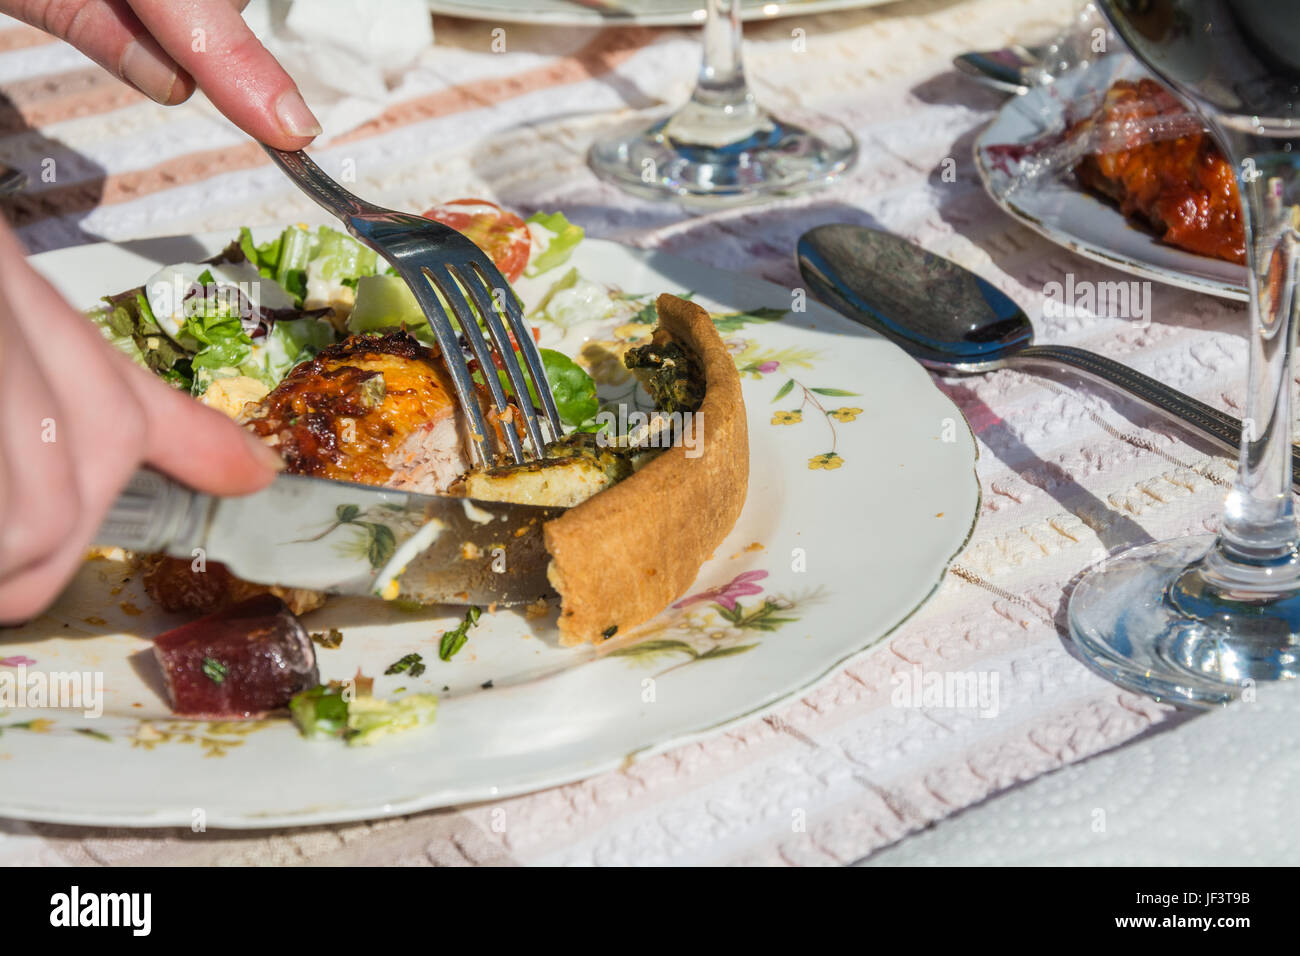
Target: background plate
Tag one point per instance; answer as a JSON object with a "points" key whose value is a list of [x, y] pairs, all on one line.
{"points": [[856, 505], [647, 12], [1070, 217]]}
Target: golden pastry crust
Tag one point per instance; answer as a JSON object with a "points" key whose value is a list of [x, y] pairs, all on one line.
{"points": [[622, 556]]}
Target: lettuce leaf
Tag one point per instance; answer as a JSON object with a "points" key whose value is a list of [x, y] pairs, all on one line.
{"points": [[290, 342], [572, 388], [223, 347], [325, 712], [128, 314], [265, 257], [557, 237], [385, 303], [117, 328], [283, 259], [338, 257]]}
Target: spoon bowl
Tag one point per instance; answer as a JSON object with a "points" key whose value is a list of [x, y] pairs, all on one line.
{"points": [[943, 315], [954, 322]]}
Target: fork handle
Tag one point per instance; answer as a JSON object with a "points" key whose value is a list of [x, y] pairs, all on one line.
{"points": [[332, 197]]}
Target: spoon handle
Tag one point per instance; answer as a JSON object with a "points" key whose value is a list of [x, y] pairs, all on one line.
{"points": [[1220, 428]]}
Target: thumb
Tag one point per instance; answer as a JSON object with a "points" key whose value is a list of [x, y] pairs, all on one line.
{"points": [[198, 446]]}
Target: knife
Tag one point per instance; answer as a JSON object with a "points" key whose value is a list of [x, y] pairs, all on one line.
{"points": [[343, 538]]}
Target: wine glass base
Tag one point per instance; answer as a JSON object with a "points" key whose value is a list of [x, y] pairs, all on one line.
{"points": [[1133, 620], [777, 157]]}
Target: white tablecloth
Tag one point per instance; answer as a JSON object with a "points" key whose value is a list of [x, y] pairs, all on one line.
{"points": [[1067, 473]]}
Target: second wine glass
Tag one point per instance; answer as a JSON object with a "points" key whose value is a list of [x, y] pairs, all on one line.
{"points": [[1199, 620], [722, 146]]}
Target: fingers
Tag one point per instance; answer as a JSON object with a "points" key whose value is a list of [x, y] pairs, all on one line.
{"points": [[42, 498], [123, 405], [211, 41], [111, 35], [198, 446], [76, 418]]}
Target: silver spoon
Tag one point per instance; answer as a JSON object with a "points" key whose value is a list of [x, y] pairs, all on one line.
{"points": [[951, 320], [1007, 69]]}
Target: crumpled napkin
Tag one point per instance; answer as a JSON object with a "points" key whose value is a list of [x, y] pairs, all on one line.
{"points": [[346, 55]]}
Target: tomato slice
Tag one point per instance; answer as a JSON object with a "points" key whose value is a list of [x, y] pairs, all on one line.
{"points": [[501, 234]]}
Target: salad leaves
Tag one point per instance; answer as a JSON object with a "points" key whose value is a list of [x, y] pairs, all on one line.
{"points": [[554, 239], [573, 389], [297, 255], [327, 711], [315, 266], [386, 302]]}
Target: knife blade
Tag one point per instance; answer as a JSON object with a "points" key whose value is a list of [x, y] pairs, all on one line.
{"points": [[343, 538]]}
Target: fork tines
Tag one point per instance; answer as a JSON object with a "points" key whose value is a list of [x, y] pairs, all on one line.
{"points": [[492, 297], [430, 256]]}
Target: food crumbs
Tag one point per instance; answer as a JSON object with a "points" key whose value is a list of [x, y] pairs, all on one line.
{"points": [[96, 621], [129, 608], [469, 551], [939, 515], [539, 608], [331, 638]]}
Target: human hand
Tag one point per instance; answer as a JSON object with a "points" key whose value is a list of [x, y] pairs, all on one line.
{"points": [[164, 48], [76, 419]]}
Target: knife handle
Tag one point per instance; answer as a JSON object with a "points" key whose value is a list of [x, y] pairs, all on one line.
{"points": [[154, 513]]}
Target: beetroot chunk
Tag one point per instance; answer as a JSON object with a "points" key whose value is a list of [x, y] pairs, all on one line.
{"points": [[242, 661]]}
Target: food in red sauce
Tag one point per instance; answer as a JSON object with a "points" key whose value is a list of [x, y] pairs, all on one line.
{"points": [[1181, 186], [243, 661]]}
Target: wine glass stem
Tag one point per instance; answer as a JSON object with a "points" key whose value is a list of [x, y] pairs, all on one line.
{"points": [[1258, 538], [722, 71], [721, 110]]}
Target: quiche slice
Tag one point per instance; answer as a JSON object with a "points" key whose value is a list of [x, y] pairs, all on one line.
{"points": [[621, 556]]}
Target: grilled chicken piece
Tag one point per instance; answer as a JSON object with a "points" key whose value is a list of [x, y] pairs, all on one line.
{"points": [[374, 409], [1182, 187]]}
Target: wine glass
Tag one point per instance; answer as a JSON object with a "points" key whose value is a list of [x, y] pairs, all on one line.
{"points": [[722, 147], [1199, 620]]}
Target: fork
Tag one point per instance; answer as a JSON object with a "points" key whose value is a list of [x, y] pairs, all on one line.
{"points": [[430, 256]]}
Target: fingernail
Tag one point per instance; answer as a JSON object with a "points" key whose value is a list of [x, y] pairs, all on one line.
{"points": [[295, 117], [265, 453], [149, 70]]}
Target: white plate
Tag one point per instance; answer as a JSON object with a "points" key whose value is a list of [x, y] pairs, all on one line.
{"points": [[646, 12], [1075, 219], [846, 554]]}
